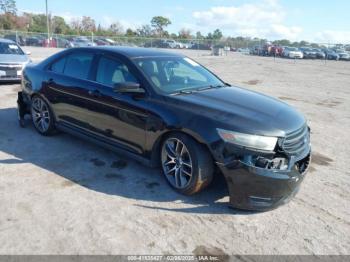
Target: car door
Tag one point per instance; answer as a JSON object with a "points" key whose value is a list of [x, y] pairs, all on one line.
{"points": [[69, 88], [119, 118]]}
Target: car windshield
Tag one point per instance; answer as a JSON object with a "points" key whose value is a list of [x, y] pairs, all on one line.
{"points": [[293, 49], [10, 49], [177, 74]]}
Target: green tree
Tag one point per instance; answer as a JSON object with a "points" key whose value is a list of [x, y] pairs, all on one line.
{"points": [[282, 42], [304, 43], [217, 35], [58, 25], [159, 23], [38, 23], [130, 32], [7, 21], [8, 6]]}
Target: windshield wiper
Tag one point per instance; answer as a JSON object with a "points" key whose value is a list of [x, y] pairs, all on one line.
{"points": [[209, 87], [190, 91]]}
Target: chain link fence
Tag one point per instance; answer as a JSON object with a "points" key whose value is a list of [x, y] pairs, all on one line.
{"points": [[216, 47]]}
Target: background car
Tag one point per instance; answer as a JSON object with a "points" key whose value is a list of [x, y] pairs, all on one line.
{"points": [[35, 41], [200, 46], [157, 43], [57, 42], [16, 38], [292, 52], [319, 53], [174, 44], [12, 60], [343, 55], [82, 42], [331, 54], [243, 50], [308, 53]]}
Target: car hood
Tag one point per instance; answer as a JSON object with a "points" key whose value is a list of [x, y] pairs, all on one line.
{"points": [[13, 59], [242, 110]]}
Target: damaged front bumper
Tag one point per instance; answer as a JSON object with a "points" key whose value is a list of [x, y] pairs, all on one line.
{"points": [[22, 107], [256, 188]]}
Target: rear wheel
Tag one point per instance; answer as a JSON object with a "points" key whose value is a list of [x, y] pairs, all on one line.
{"points": [[42, 116], [187, 165]]}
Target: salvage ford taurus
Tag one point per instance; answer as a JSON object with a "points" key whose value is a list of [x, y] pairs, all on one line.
{"points": [[167, 110]]}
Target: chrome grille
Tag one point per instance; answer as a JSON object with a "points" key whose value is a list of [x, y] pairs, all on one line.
{"points": [[4, 67], [296, 142]]}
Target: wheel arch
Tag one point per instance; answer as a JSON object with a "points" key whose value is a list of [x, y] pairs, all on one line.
{"points": [[155, 154]]}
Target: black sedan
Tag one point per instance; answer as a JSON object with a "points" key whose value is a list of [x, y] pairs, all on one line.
{"points": [[167, 110]]}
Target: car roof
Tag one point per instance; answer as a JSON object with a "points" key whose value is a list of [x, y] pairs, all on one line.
{"points": [[138, 52], [3, 40]]}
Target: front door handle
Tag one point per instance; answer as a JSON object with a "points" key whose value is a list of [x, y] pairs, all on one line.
{"points": [[94, 93]]}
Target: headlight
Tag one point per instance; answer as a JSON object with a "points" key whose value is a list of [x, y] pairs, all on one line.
{"points": [[252, 141]]}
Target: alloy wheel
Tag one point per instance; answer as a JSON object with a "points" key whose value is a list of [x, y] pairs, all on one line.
{"points": [[176, 163], [40, 115]]}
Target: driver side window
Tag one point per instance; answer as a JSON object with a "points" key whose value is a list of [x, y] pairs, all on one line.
{"points": [[111, 71]]}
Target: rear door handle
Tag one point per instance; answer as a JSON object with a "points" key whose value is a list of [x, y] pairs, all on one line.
{"points": [[94, 93]]}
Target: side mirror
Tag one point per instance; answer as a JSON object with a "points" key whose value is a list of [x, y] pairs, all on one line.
{"points": [[28, 53], [128, 87]]}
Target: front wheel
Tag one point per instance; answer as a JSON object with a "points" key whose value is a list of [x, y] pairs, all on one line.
{"points": [[42, 116], [187, 165]]}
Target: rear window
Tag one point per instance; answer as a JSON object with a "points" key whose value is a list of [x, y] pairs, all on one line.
{"points": [[78, 65]]}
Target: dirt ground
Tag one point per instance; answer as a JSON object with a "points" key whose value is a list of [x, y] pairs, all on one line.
{"points": [[62, 195]]}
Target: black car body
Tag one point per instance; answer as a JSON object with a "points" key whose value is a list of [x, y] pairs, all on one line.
{"points": [[319, 53], [35, 41], [224, 125]]}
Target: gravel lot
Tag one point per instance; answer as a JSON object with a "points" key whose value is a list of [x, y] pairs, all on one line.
{"points": [[61, 195]]}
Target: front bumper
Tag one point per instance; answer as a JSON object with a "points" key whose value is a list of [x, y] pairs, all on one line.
{"points": [[10, 72], [10, 78], [22, 106], [254, 188]]}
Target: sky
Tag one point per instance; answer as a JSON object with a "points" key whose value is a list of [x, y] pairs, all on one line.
{"points": [[320, 21]]}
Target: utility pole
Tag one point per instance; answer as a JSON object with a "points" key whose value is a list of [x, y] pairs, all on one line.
{"points": [[48, 25]]}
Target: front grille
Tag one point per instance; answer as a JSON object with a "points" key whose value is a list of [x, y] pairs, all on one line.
{"points": [[9, 67], [9, 77], [296, 142]]}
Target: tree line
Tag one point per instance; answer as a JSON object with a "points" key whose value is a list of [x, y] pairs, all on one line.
{"points": [[29, 22]]}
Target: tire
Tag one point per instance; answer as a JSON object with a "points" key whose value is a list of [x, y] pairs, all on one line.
{"points": [[187, 165], [42, 116]]}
